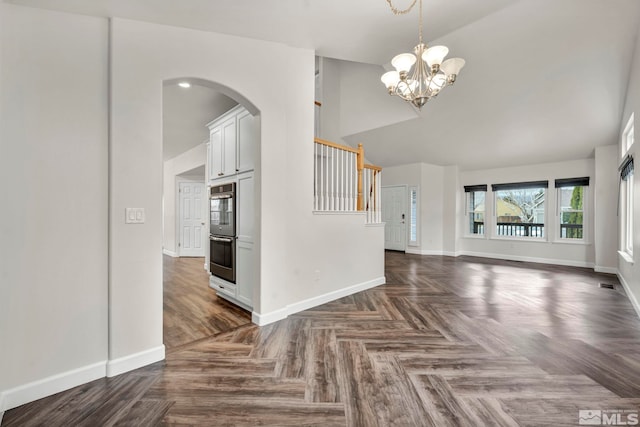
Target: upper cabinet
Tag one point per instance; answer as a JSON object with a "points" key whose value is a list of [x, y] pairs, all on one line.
{"points": [[233, 141]]}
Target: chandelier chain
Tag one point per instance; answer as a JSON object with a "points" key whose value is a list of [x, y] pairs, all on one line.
{"points": [[401, 12]]}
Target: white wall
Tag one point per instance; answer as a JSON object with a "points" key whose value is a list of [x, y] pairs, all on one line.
{"points": [[630, 273], [548, 250], [53, 223], [365, 103], [180, 164], [430, 181], [330, 91], [299, 260], [605, 206]]}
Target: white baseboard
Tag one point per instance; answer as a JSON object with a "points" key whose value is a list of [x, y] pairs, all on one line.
{"points": [[135, 361], [35, 390], [265, 319], [608, 270], [453, 254], [630, 295], [508, 257], [334, 295], [416, 251], [172, 254]]}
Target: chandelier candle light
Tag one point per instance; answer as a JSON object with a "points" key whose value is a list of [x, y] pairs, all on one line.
{"points": [[421, 75]]}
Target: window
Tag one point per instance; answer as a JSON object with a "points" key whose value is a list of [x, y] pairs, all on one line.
{"points": [[626, 206], [475, 203], [413, 216], [519, 209], [628, 136], [571, 196]]}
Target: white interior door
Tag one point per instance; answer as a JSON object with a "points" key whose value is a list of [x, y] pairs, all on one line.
{"points": [[192, 219], [394, 206]]}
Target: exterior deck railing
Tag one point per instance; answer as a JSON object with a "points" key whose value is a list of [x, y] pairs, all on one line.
{"points": [[523, 229]]}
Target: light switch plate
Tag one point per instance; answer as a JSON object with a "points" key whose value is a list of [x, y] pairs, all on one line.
{"points": [[134, 216]]}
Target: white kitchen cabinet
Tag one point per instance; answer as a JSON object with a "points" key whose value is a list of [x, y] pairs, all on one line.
{"points": [[234, 139], [223, 148], [233, 153], [248, 139], [245, 254]]}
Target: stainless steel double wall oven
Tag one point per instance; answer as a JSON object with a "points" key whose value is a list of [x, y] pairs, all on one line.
{"points": [[222, 237]]}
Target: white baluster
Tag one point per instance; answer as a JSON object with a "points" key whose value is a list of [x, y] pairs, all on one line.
{"points": [[315, 176]]}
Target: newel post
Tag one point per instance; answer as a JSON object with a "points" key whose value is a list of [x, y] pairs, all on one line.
{"points": [[360, 166]]}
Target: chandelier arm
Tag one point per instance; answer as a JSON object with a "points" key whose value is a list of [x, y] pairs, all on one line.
{"points": [[405, 11]]}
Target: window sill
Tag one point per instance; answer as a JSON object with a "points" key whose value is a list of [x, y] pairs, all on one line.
{"points": [[475, 236], [572, 242], [625, 256], [521, 239]]}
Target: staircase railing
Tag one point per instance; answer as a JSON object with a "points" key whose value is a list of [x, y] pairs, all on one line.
{"points": [[343, 182]]}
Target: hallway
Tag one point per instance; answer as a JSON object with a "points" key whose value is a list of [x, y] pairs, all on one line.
{"points": [[192, 310]]}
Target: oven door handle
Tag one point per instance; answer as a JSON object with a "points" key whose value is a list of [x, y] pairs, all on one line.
{"points": [[221, 239], [221, 196]]}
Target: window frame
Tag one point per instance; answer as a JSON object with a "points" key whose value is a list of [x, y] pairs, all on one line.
{"points": [[470, 190], [626, 191], [572, 183], [416, 242], [496, 188], [628, 136]]}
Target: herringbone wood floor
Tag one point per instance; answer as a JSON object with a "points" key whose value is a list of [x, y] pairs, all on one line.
{"points": [[446, 342], [191, 309]]}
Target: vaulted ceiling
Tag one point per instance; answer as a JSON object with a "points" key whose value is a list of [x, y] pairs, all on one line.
{"points": [[545, 80]]}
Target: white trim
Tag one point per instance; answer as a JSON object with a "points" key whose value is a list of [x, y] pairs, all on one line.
{"points": [[453, 254], [507, 257], [1, 412], [630, 295], [271, 317], [35, 390], [608, 270], [334, 295], [134, 361], [170, 253], [274, 316], [362, 213], [626, 257], [423, 251]]}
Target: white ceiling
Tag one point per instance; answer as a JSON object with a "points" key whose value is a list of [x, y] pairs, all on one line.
{"points": [[545, 79], [185, 113]]}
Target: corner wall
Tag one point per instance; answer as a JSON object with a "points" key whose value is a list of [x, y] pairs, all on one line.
{"points": [[54, 218], [630, 272]]}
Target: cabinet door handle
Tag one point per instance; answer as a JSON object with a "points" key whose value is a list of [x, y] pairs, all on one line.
{"points": [[221, 287], [220, 174]]}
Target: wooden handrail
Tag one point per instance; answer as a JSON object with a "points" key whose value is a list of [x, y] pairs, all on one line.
{"points": [[335, 145], [360, 166]]}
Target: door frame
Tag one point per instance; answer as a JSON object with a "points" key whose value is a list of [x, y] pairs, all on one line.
{"points": [[405, 187], [178, 206]]}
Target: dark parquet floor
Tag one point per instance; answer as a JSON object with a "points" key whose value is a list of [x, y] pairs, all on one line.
{"points": [[446, 342], [191, 309]]}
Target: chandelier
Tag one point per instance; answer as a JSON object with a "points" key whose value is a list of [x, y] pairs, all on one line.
{"points": [[421, 75]]}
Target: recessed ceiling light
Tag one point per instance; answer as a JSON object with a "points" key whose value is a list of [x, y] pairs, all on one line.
{"points": [[184, 85]]}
